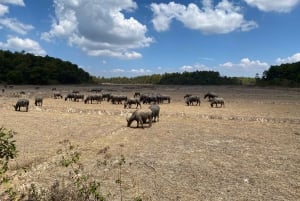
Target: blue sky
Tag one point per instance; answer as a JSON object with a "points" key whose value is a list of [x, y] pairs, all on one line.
{"points": [[130, 38]]}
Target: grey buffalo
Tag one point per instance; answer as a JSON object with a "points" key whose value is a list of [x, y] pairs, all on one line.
{"points": [[210, 95], [141, 116], [38, 101], [217, 100], [130, 101], [190, 100], [21, 103], [155, 112]]}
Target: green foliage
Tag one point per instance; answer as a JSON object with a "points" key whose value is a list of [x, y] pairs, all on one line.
{"points": [[283, 75], [25, 68], [7, 151]]}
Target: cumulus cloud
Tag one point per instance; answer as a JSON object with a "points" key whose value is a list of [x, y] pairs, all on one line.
{"points": [[3, 10], [19, 44], [271, 5], [12, 23], [14, 2], [222, 18], [99, 28], [292, 59], [191, 68], [245, 67], [140, 71], [15, 25]]}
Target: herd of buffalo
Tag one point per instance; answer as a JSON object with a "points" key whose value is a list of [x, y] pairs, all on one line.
{"points": [[141, 116]]}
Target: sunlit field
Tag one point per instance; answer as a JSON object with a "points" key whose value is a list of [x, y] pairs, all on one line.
{"points": [[247, 150]]}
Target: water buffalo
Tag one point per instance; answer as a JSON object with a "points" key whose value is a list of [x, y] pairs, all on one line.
{"points": [[117, 99], [210, 95], [136, 94], [21, 103], [131, 101], [162, 98], [91, 98], [191, 99], [140, 116], [38, 101], [57, 95], [155, 112], [217, 100]]}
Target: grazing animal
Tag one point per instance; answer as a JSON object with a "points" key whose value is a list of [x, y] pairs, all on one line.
{"points": [[148, 98], [131, 101], [210, 95], [57, 95], [117, 99], [155, 112], [91, 98], [38, 101], [21, 103], [217, 100], [140, 116], [187, 95], [137, 94], [162, 98], [70, 97], [191, 99]]}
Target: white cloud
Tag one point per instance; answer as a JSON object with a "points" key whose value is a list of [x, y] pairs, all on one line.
{"points": [[273, 5], [199, 67], [292, 59], [15, 25], [19, 44], [245, 67], [3, 10], [99, 28], [14, 2], [118, 70], [223, 18], [140, 71]]}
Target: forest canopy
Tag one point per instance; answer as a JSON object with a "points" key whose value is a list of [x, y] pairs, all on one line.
{"points": [[26, 68]]}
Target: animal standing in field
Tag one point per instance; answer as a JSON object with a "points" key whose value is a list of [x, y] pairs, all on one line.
{"points": [[21, 103], [141, 116], [38, 101], [131, 101], [155, 112], [117, 99], [192, 99], [91, 98], [57, 95], [210, 95], [162, 98], [136, 94], [217, 100], [187, 95]]}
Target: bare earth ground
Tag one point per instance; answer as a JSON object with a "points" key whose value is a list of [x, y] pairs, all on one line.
{"points": [[249, 150]]}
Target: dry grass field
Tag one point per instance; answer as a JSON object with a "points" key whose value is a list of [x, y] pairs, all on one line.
{"points": [[249, 150]]}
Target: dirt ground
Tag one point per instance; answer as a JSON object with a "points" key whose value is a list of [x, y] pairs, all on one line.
{"points": [[249, 150]]}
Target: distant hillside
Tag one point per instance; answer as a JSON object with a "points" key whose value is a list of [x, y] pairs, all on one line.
{"points": [[25, 68]]}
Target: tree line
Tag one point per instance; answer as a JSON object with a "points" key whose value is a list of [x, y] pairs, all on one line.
{"points": [[282, 75], [26, 68]]}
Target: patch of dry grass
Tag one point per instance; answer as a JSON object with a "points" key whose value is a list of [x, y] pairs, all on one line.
{"points": [[248, 150]]}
